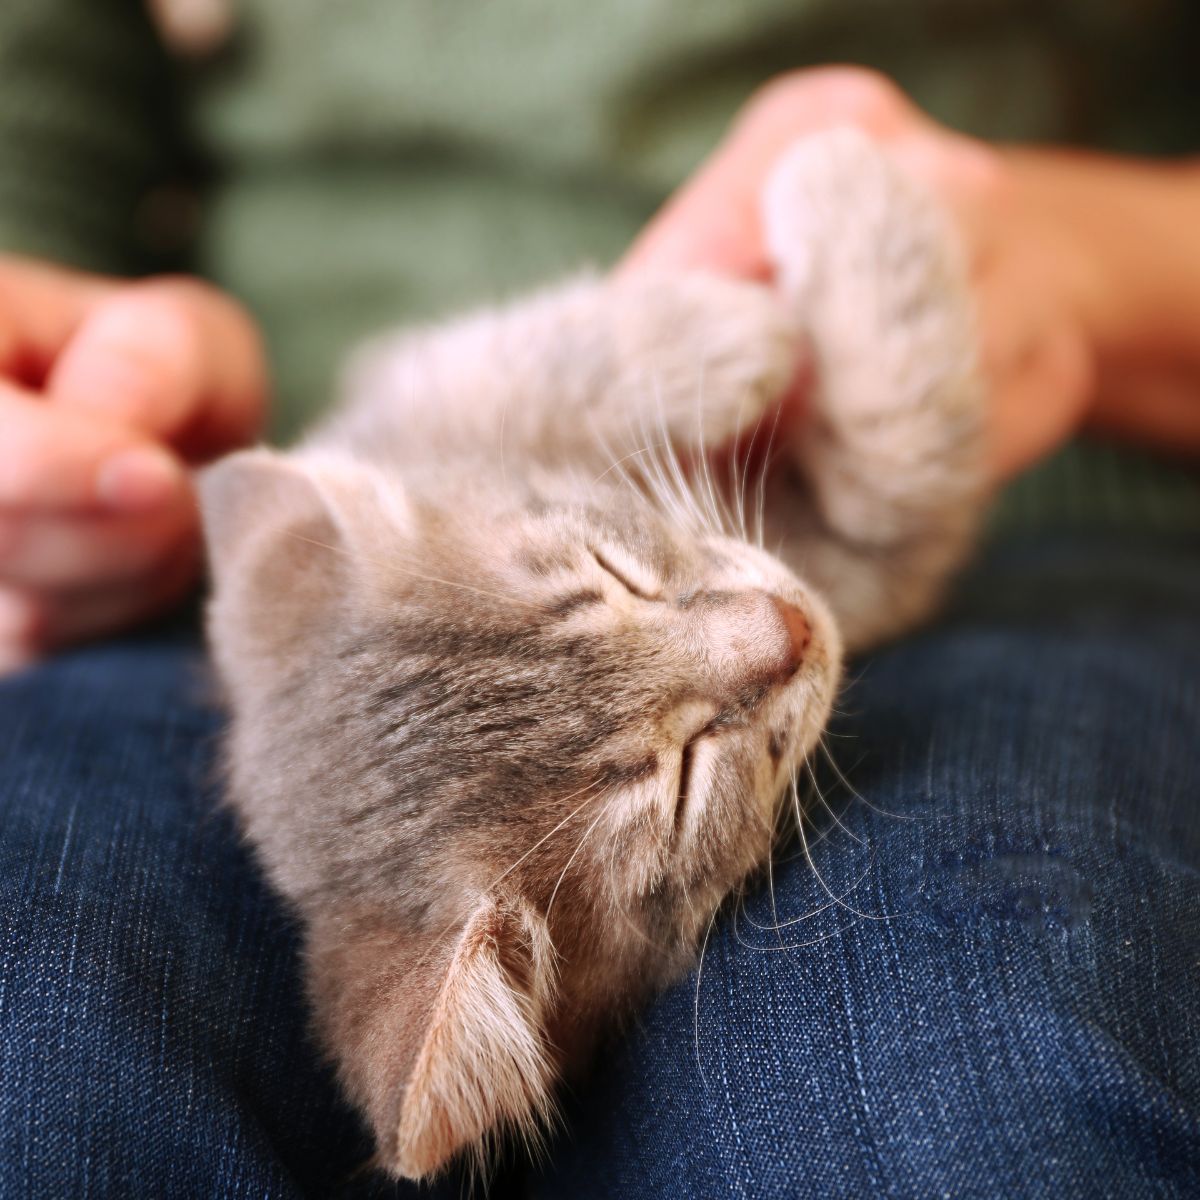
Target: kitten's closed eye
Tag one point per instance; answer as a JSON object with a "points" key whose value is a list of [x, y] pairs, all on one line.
{"points": [[687, 768], [628, 572]]}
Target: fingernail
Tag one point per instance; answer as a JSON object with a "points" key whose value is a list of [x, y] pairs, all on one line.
{"points": [[138, 480]]}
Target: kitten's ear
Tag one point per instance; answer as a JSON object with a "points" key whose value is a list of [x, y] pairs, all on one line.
{"points": [[329, 499], [258, 495], [291, 540], [441, 1049]]}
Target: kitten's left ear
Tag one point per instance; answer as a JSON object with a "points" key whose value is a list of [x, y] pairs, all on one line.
{"points": [[250, 495], [294, 542], [441, 1050], [255, 496]]}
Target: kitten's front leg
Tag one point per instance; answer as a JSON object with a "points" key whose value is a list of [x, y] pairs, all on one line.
{"points": [[696, 361], [592, 373], [885, 484]]}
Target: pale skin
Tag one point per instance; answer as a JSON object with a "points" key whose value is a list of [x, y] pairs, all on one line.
{"points": [[109, 391], [1086, 274]]}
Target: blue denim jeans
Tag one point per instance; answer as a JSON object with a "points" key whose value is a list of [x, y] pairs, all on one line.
{"points": [[986, 982]]}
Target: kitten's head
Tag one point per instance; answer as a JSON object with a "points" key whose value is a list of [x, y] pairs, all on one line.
{"points": [[508, 760]]}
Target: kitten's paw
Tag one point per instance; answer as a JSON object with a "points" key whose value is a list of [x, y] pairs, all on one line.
{"points": [[703, 359], [874, 265]]}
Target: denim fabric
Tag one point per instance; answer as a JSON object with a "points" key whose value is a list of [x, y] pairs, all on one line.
{"points": [[152, 1030], [989, 986]]}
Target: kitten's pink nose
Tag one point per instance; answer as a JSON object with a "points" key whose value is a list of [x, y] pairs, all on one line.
{"points": [[749, 642], [799, 633]]}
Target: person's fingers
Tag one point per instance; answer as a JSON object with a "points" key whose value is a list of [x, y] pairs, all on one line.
{"points": [[171, 357], [20, 625], [56, 552], [1039, 401], [713, 223], [52, 458], [41, 307], [1034, 361], [34, 623]]}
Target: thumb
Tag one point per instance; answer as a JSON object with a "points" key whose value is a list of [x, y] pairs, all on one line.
{"points": [[713, 222], [172, 358]]}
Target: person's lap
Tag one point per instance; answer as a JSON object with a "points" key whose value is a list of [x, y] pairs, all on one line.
{"points": [[987, 986], [152, 1033]]}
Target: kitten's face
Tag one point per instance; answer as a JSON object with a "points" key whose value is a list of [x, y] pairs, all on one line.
{"points": [[721, 673], [506, 763], [599, 708]]}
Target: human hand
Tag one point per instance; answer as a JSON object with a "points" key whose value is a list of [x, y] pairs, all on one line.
{"points": [[1031, 279], [109, 389]]}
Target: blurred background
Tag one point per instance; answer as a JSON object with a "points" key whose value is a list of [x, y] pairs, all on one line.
{"points": [[344, 166]]}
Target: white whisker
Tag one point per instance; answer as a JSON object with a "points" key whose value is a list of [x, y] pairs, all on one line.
{"points": [[883, 812], [821, 878], [563, 874], [764, 471], [696, 1001], [827, 806]]}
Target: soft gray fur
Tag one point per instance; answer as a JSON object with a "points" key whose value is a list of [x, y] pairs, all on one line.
{"points": [[516, 689]]}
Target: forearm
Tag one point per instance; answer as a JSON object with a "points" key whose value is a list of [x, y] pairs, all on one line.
{"points": [[1133, 228]]}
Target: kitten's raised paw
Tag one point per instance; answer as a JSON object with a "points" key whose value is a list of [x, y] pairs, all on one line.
{"points": [[873, 263], [702, 358]]}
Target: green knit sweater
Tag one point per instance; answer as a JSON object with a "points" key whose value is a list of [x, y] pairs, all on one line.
{"points": [[345, 166]]}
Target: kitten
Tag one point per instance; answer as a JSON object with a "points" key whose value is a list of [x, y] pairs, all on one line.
{"points": [[515, 691]]}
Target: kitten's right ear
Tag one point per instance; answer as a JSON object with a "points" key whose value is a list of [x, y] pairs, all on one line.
{"points": [[442, 1045]]}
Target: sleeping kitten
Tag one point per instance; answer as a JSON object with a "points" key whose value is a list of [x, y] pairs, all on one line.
{"points": [[515, 688]]}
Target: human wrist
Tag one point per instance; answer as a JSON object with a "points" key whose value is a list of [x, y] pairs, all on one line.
{"points": [[1115, 226]]}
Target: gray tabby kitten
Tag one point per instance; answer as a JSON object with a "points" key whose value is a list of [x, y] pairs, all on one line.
{"points": [[516, 693]]}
